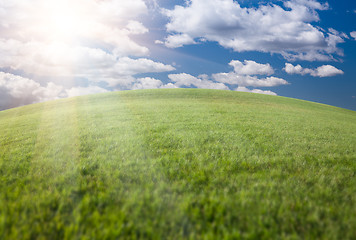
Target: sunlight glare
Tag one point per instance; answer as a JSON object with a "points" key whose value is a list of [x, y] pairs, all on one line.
{"points": [[64, 20]]}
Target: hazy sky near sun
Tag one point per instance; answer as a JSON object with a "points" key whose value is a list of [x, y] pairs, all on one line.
{"points": [[54, 49]]}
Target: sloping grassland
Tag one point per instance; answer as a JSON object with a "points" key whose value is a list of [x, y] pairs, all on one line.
{"points": [[178, 164]]}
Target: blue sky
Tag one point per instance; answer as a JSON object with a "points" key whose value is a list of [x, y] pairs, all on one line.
{"points": [[52, 49]]}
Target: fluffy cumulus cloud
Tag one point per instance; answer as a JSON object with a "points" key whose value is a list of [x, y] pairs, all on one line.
{"points": [[16, 91], [68, 39], [187, 80], [243, 76], [249, 67], [175, 41], [147, 83], [61, 60], [151, 83], [322, 71], [285, 29], [107, 23], [244, 89], [233, 78], [121, 72]]}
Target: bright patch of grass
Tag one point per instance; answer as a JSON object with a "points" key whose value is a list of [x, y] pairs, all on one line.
{"points": [[178, 164]]}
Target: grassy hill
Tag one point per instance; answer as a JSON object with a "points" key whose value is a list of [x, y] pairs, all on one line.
{"points": [[178, 164]]}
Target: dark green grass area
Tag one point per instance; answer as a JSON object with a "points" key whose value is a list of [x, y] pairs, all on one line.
{"points": [[178, 164]]}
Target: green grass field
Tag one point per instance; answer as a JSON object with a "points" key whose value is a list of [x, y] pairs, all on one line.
{"points": [[178, 164]]}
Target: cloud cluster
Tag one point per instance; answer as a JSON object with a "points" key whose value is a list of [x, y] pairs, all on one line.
{"points": [[187, 80], [272, 28], [61, 60], [17, 91], [322, 71], [178, 40], [244, 89], [243, 76], [151, 83], [249, 67], [233, 78], [69, 39], [106, 23]]}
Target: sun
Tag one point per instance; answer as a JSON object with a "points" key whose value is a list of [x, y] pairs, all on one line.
{"points": [[57, 29], [62, 20]]}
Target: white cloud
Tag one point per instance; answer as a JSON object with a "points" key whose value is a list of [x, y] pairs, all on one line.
{"points": [[135, 27], [169, 85], [244, 89], [68, 39], [159, 42], [128, 66], [175, 41], [242, 75], [263, 92], [322, 71], [249, 67], [311, 4], [270, 28], [80, 91], [67, 21], [337, 33], [291, 69], [238, 78], [147, 83], [16, 91], [245, 81], [187, 80], [123, 70], [326, 71], [353, 34], [94, 64]]}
